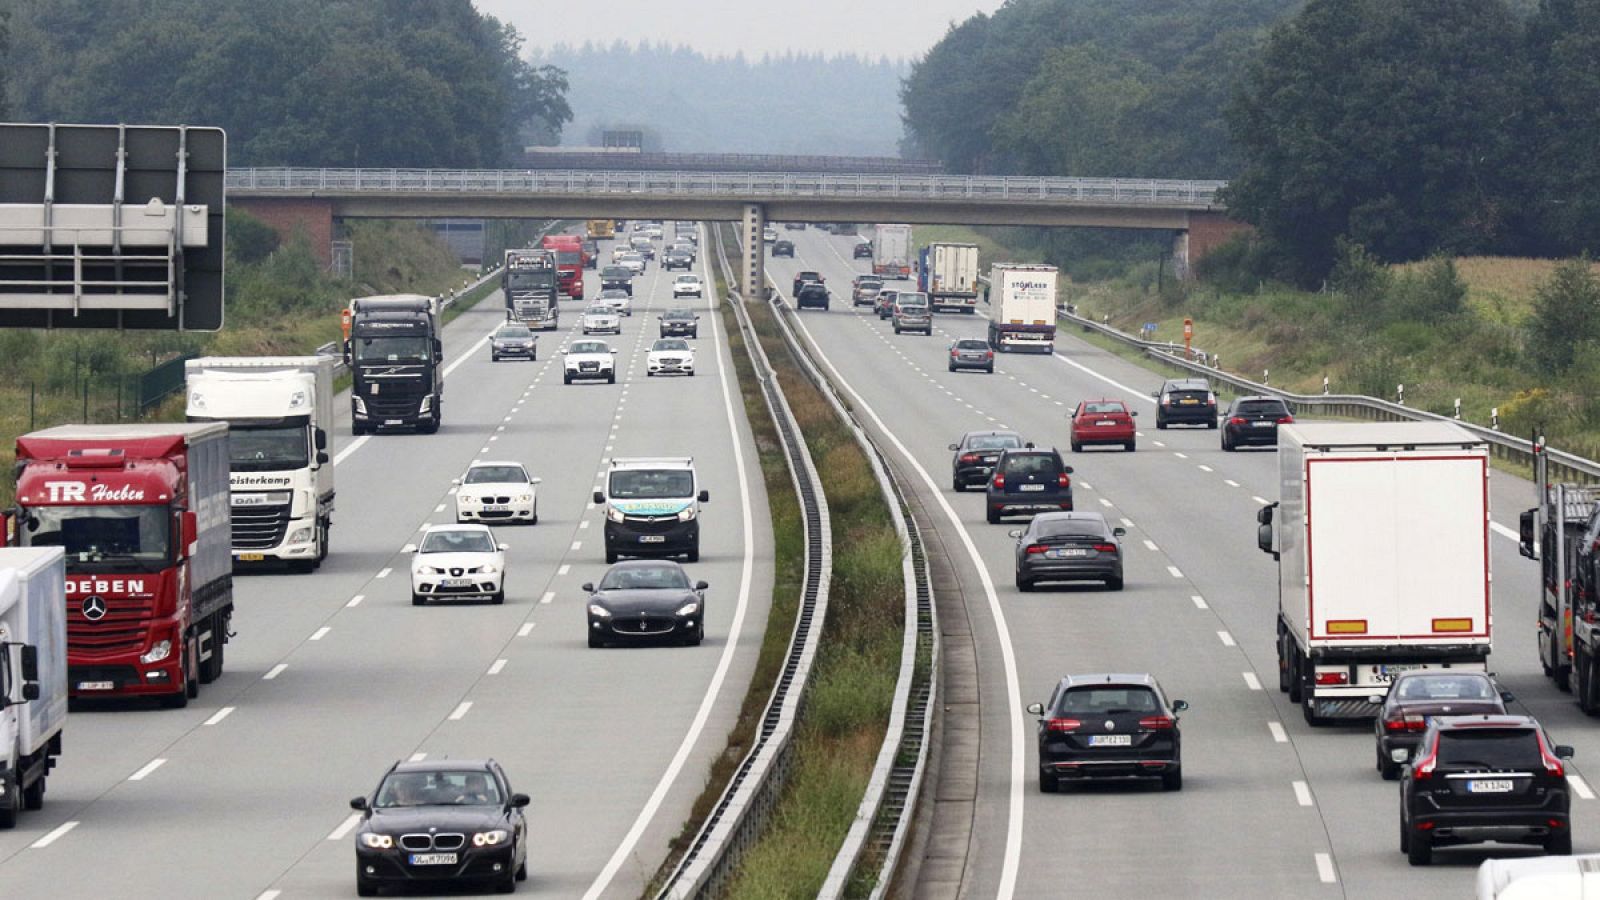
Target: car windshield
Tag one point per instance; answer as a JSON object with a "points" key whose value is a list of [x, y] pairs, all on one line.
{"points": [[678, 314], [1049, 526], [267, 449], [613, 295], [469, 788], [1031, 464], [94, 534], [1445, 687], [911, 299], [458, 542], [568, 257], [670, 344], [513, 332], [651, 484], [1489, 748], [993, 442], [688, 279], [1262, 407], [393, 349], [598, 311], [972, 345], [652, 577], [496, 475], [1104, 407], [616, 272], [589, 347], [1101, 700]]}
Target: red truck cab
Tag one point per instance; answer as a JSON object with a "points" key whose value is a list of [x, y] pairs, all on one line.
{"points": [[570, 261]]}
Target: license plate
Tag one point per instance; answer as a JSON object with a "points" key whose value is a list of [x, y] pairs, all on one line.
{"points": [[1106, 422], [96, 685], [433, 859], [249, 557], [1067, 554], [1188, 402], [1262, 424], [1111, 740], [652, 539], [497, 509], [392, 422], [456, 582], [1388, 673], [1033, 487], [1492, 786]]}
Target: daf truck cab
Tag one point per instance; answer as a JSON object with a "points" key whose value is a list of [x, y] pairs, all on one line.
{"points": [[652, 508], [396, 359]]}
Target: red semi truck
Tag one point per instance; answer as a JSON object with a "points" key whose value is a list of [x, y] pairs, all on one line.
{"points": [[143, 514], [568, 249]]}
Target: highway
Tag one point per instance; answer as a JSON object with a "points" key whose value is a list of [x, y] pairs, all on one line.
{"points": [[1270, 806], [335, 676]]}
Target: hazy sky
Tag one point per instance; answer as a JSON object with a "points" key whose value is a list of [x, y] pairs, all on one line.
{"points": [[894, 28]]}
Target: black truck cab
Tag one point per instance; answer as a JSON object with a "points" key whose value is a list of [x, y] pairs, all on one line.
{"points": [[396, 358]]}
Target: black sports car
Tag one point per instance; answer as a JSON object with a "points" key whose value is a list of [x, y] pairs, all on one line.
{"points": [[646, 599], [448, 820]]}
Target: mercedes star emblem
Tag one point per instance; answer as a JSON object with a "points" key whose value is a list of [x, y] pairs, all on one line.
{"points": [[94, 608]]}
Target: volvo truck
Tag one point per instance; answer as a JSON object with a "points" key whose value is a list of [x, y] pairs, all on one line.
{"points": [[1024, 318], [1381, 535], [33, 674], [142, 513], [396, 359], [948, 274], [530, 287], [279, 411]]}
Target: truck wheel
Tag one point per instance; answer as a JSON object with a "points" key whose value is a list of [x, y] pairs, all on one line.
{"points": [[211, 668], [191, 671], [1586, 686], [322, 542], [33, 798], [1294, 674], [1283, 669], [1563, 678], [11, 805]]}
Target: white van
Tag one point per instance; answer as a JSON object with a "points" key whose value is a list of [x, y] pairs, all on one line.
{"points": [[1540, 878]]}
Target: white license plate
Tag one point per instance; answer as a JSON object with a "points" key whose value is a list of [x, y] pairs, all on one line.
{"points": [[1032, 487], [1106, 422], [1111, 740], [652, 539], [497, 509], [456, 582], [433, 859], [1491, 786], [96, 685], [1387, 674], [1067, 553], [1262, 424], [392, 422]]}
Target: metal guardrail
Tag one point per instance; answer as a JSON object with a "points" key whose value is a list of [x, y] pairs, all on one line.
{"points": [[1132, 192], [735, 822], [573, 158], [1566, 466]]}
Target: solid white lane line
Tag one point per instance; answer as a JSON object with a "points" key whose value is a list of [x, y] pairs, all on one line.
{"points": [[1278, 734], [497, 666], [53, 835], [1251, 681], [1302, 793], [320, 633], [525, 630], [1226, 638], [384, 573], [356, 600], [148, 767], [1325, 871], [350, 448], [1173, 571], [268, 895], [1580, 787], [345, 827], [1199, 601], [460, 712], [471, 352], [219, 715], [275, 671], [1111, 381], [1151, 546]]}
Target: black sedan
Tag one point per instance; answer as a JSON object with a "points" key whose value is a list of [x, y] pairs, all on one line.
{"points": [[1109, 727], [1415, 698], [783, 248], [975, 456], [513, 340], [1069, 546], [680, 322], [1254, 421], [646, 600], [1026, 482], [448, 821], [862, 250]]}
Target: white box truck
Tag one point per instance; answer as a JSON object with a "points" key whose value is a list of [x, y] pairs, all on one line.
{"points": [[33, 673], [279, 411], [1381, 533], [1025, 316], [891, 251], [948, 274]]}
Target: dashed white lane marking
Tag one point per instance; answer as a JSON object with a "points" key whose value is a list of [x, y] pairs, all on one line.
{"points": [[577, 545], [345, 827], [1504, 532], [452, 490], [497, 666], [1251, 681], [356, 600], [268, 895], [1180, 455], [144, 772], [384, 572], [1127, 523], [1151, 546], [1230, 482], [525, 630], [1199, 602], [1278, 734], [460, 712], [1205, 468], [1261, 500], [320, 633], [1226, 638], [1302, 793], [53, 835], [565, 568], [484, 449], [1086, 485], [1159, 444], [1104, 502], [499, 428], [275, 671], [418, 757], [1580, 787], [584, 524], [219, 715], [1174, 572], [548, 596], [439, 508], [1325, 870], [409, 548]]}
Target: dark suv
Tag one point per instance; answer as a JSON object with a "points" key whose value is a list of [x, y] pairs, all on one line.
{"points": [[1254, 420], [680, 322], [805, 276], [1475, 779], [1028, 481], [1109, 726], [811, 293], [1185, 401]]}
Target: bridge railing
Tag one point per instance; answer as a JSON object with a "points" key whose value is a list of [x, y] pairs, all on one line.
{"points": [[744, 185]]}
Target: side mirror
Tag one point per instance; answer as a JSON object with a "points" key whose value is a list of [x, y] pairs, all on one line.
{"points": [[1036, 708], [1264, 514], [1525, 537], [536, 480], [190, 528], [503, 546], [322, 457], [1134, 413], [701, 585], [321, 439], [1067, 469], [955, 446], [1119, 531], [705, 497], [518, 801], [1508, 697], [587, 587], [29, 660], [455, 481], [347, 353], [1264, 540], [1015, 532], [1565, 752], [438, 350], [30, 691], [599, 497], [1180, 705], [1155, 395], [359, 803], [613, 353]]}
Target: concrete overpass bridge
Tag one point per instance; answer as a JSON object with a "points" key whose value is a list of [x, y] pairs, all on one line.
{"points": [[311, 199]]}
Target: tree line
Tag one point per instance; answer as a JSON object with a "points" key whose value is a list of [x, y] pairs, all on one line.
{"points": [[410, 83]]}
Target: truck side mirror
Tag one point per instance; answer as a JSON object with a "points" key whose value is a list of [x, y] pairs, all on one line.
{"points": [[1264, 514], [599, 497], [438, 350], [705, 496], [30, 691], [29, 658], [347, 353], [321, 439], [190, 529], [1264, 539], [1525, 536], [322, 457]]}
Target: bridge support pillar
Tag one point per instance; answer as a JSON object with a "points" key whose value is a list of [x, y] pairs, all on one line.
{"points": [[1180, 256], [753, 277], [293, 217], [1206, 232]]}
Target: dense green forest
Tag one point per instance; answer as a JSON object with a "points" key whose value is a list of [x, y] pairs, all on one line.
{"points": [[294, 82], [687, 102]]}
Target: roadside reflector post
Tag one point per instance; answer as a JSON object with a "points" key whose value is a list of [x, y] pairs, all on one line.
{"points": [[1458, 407], [1400, 392], [1324, 385], [1494, 418]]}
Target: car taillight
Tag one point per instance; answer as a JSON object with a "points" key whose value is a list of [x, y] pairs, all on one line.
{"points": [[1422, 769], [1236, 420], [1157, 723], [1166, 399], [954, 354], [1211, 399], [1405, 723], [1036, 548], [1106, 548], [1333, 677], [1063, 480], [969, 457], [1552, 763], [1286, 420], [999, 480], [988, 354], [1063, 725]]}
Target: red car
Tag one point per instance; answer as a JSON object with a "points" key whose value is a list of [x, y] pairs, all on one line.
{"points": [[1102, 422]]}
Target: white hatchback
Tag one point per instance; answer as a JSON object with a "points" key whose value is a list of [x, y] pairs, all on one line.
{"points": [[497, 492], [458, 561]]}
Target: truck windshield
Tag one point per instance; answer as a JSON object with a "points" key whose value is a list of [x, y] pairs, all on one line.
{"points": [[651, 484], [268, 449], [392, 349], [530, 280], [568, 257], [101, 534]]}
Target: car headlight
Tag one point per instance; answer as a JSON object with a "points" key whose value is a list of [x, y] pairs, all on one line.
{"points": [[300, 536], [159, 651], [690, 608], [613, 514], [377, 841], [525, 498], [687, 514], [489, 838], [488, 569], [599, 611]]}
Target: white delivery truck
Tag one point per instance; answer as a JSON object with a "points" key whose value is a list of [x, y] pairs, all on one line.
{"points": [[1025, 316], [948, 274], [279, 410], [33, 673], [891, 251], [1381, 533]]}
